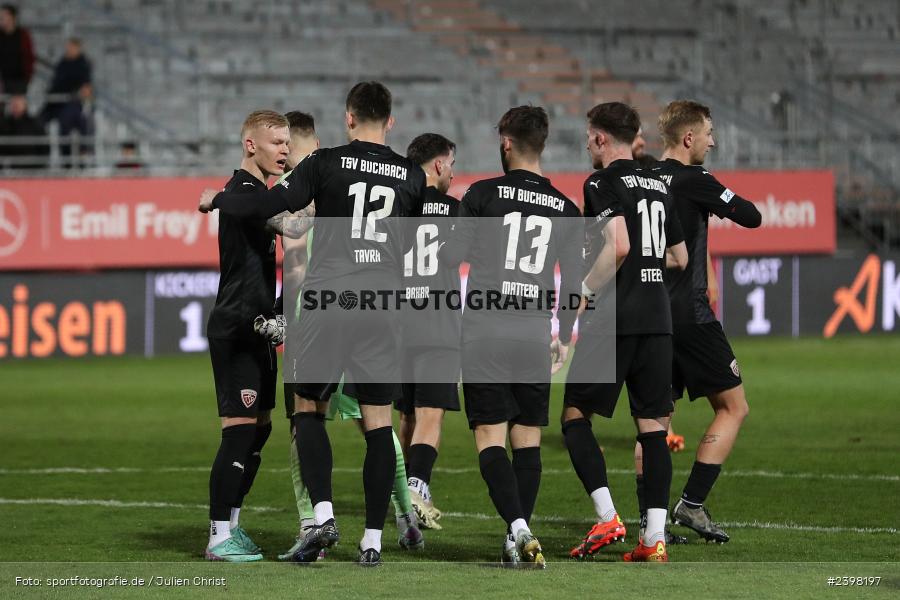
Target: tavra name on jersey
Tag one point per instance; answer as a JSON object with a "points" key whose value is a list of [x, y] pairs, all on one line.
{"points": [[368, 255], [375, 168], [509, 192], [435, 208], [648, 183]]}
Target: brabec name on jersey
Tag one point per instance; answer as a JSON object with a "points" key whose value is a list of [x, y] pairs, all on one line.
{"points": [[514, 254], [356, 188], [247, 264], [642, 302], [698, 194]]}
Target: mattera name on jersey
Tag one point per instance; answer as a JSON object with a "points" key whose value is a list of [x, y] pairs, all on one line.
{"points": [[648, 183], [510, 192], [526, 290], [375, 168]]}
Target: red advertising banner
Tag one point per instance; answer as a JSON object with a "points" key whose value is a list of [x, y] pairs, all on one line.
{"points": [[798, 210], [798, 214], [106, 223], [153, 222]]}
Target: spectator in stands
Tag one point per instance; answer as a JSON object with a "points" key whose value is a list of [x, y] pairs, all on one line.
{"points": [[129, 158], [16, 53], [69, 90], [71, 96], [31, 153]]}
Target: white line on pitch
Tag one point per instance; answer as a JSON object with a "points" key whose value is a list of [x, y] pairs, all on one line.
{"points": [[460, 515], [764, 474], [116, 503]]}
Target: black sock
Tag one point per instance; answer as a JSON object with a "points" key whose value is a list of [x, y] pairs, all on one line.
{"points": [[498, 473], [703, 477], [228, 470], [420, 461], [254, 458], [657, 469], [642, 503], [378, 475], [526, 463], [314, 452], [587, 458]]}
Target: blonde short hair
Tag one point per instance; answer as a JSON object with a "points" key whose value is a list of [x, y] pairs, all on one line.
{"points": [[679, 115], [262, 118]]}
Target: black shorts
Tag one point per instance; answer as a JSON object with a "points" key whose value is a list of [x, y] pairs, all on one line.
{"points": [[490, 367], [245, 371], [431, 379], [704, 362], [362, 346], [643, 363]]}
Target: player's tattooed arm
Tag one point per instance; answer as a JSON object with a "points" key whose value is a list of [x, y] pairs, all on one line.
{"points": [[293, 225], [710, 438]]}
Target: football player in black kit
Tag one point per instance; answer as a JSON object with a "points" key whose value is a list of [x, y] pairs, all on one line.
{"points": [[244, 364], [632, 232], [430, 337], [359, 248], [514, 230], [704, 362]]}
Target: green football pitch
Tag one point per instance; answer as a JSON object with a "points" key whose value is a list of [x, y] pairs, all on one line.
{"points": [[105, 464]]}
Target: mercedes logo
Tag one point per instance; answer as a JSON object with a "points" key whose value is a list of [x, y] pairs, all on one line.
{"points": [[13, 223]]}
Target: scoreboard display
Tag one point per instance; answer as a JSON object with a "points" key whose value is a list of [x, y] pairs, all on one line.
{"points": [[809, 295]]}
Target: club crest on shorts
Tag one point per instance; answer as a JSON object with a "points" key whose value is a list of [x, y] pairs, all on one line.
{"points": [[735, 368], [248, 397]]}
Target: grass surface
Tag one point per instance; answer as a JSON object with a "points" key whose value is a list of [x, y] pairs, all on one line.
{"points": [[813, 481]]}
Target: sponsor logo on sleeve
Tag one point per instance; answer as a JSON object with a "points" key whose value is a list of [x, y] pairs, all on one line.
{"points": [[726, 196]]}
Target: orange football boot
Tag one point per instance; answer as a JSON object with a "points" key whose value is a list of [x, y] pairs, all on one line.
{"points": [[601, 534], [642, 553]]}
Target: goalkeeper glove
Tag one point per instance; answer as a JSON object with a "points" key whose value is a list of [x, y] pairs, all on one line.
{"points": [[271, 329]]}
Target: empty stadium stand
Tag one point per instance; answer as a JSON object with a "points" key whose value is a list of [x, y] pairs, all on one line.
{"points": [[792, 83]]}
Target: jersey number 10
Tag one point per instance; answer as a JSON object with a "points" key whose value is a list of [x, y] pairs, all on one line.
{"points": [[653, 232]]}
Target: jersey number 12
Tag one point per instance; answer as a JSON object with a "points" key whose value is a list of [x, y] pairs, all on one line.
{"points": [[378, 192]]}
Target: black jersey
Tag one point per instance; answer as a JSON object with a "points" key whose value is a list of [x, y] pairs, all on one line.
{"points": [[247, 265], [642, 301], [697, 195], [430, 287], [359, 190], [531, 226]]}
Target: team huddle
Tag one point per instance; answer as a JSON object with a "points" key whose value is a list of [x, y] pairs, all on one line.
{"points": [[368, 233]]}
